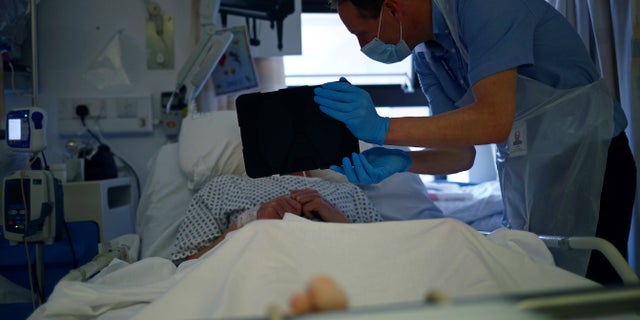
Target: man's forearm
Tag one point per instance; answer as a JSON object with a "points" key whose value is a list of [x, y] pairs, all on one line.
{"points": [[442, 161], [487, 120]]}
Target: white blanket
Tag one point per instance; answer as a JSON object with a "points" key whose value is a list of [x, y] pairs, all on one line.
{"points": [[266, 261]]}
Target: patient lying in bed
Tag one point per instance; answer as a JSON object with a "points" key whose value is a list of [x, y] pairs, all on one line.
{"points": [[228, 202], [180, 170]]}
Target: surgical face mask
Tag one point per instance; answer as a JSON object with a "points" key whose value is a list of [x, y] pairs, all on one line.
{"points": [[384, 52]]}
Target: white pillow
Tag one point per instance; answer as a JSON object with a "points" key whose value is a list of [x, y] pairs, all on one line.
{"points": [[163, 202], [210, 145]]}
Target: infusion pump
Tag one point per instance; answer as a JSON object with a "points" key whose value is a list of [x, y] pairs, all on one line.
{"points": [[31, 204], [31, 207], [26, 129]]}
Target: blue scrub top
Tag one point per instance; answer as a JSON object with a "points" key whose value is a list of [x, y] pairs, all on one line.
{"points": [[529, 35]]}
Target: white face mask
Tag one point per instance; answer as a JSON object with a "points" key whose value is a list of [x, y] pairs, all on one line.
{"points": [[384, 52]]}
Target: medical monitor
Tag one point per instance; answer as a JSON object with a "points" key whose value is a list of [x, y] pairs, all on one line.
{"points": [[285, 131], [222, 56], [201, 62], [26, 129], [32, 207], [236, 71]]}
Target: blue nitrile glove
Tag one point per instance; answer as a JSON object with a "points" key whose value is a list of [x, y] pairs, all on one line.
{"points": [[353, 106], [373, 165]]}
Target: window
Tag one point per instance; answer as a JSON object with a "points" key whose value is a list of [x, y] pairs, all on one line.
{"points": [[322, 60], [391, 85]]}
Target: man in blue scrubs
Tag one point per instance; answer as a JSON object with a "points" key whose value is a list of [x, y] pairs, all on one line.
{"points": [[491, 69]]}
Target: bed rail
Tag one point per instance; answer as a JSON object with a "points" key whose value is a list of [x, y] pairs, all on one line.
{"points": [[579, 304], [594, 243]]}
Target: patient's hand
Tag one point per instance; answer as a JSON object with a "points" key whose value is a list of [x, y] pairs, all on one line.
{"points": [[276, 208], [307, 203], [315, 206]]}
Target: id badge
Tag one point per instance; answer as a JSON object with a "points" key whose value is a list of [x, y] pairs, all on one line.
{"points": [[518, 140]]}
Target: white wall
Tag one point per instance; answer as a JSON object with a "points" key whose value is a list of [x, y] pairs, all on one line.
{"points": [[71, 33]]}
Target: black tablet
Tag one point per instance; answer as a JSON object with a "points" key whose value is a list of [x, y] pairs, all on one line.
{"points": [[285, 131]]}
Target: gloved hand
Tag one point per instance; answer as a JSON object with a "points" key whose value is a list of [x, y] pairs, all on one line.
{"points": [[353, 106], [373, 165]]}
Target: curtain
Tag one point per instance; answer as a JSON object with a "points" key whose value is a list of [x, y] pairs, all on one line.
{"points": [[611, 33], [634, 105]]}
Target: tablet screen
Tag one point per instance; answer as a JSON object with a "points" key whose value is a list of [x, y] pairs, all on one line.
{"points": [[285, 131]]}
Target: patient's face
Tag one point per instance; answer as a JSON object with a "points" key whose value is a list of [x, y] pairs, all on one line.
{"points": [[324, 174], [329, 175], [306, 173]]}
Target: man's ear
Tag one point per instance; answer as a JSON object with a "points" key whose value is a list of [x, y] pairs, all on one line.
{"points": [[393, 7]]}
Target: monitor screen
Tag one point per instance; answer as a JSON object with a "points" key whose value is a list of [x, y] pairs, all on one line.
{"points": [[14, 127], [235, 71], [284, 132], [26, 130]]}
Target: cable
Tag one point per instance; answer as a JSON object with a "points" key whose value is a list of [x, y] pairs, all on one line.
{"points": [[101, 140], [74, 259], [35, 284], [5, 55], [27, 215], [45, 165], [2, 98], [38, 285], [135, 175], [29, 272], [83, 111]]}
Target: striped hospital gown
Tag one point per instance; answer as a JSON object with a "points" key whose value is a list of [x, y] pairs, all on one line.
{"points": [[218, 204]]}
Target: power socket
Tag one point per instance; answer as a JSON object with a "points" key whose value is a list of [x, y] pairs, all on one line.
{"points": [[82, 111], [115, 115], [67, 108]]}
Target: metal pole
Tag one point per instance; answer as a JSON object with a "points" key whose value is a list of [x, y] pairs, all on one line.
{"points": [[34, 53], [40, 268], [2, 107]]}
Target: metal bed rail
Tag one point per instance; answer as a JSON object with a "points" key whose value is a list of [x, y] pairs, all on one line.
{"points": [[612, 254]]}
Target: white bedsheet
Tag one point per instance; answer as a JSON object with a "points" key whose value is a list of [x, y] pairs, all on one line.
{"points": [[266, 261], [479, 206]]}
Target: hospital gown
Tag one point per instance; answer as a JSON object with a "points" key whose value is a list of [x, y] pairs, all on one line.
{"points": [[219, 203]]}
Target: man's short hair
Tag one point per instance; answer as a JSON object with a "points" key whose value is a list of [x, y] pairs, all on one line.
{"points": [[366, 8]]}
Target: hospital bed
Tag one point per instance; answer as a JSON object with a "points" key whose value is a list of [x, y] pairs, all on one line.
{"points": [[393, 263], [476, 204]]}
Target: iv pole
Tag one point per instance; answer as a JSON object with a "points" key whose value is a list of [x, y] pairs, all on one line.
{"points": [[34, 54], [34, 98], [3, 111]]}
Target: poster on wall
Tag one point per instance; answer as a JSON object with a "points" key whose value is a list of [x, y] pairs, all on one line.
{"points": [[273, 26]]}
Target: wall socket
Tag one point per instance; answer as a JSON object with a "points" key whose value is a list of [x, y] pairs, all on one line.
{"points": [[108, 115], [67, 108]]}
